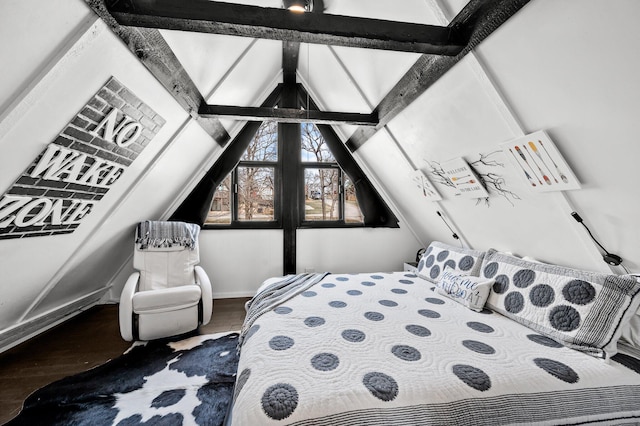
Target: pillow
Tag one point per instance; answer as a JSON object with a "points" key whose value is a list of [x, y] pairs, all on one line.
{"points": [[586, 311], [469, 291], [439, 255], [631, 333]]}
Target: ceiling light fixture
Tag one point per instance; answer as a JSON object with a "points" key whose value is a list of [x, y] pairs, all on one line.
{"points": [[298, 6]]}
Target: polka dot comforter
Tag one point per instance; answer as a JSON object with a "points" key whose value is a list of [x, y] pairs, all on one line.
{"points": [[386, 349]]}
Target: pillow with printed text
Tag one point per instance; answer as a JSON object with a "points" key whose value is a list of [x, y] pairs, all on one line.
{"points": [[469, 291]]}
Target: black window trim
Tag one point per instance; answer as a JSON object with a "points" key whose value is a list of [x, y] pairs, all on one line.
{"points": [[323, 223], [196, 205]]}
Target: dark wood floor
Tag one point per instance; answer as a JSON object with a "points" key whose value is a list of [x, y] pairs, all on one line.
{"points": [[85, 341]]}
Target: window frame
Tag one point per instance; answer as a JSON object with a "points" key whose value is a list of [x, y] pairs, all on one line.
{"points": [[339, 223], [235, 194], [281, 199], [234, 203]]}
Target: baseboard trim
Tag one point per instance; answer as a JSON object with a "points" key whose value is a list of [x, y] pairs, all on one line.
{"points": [[16, 334]]}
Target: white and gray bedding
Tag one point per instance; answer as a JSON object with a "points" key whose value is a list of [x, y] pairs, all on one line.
{"points": [[387, 349]]}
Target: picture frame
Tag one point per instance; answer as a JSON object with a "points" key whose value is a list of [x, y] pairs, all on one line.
{"points": [[464, 179], [424, 185], [539, 163]]}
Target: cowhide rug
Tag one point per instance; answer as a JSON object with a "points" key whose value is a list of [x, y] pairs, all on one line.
{"points": [[185, 382]]}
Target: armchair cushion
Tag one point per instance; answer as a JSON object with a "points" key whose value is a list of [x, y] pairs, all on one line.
{"points": [[165, 300]]}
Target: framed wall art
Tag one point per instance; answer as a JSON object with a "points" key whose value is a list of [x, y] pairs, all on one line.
{"points": [[539, 163], [464, 179], [425, 186]]}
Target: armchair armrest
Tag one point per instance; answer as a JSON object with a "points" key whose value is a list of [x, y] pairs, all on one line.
{"points": [[125, 310], [207, 298]]}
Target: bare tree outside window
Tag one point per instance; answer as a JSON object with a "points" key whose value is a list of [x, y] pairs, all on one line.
{"points": [[253, 184], [248, 193], [264, 145], [324, 186], [322, 193], [255, 193], [352, 212], [314, 147], [322, 183], [220, 211]]}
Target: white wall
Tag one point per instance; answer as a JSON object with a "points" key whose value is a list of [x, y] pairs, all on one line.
{"points": [[238, 261], [37, 264], [68, 55], [567, 67], [29, 50], [576, 75], [355, 249]]}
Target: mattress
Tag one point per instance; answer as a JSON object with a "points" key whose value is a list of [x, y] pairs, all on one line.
{"points": [[387, 349]]}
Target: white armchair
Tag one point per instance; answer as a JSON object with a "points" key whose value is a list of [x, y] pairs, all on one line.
{"points": [[170, 294]]}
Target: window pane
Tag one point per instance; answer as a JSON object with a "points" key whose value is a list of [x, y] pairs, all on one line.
{"points": [[314, 147], [264, 145], [255, 194], [322, 194], [352, 213], [220, 211]]}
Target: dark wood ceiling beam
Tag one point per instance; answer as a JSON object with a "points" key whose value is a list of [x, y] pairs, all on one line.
{"points": [[156, 55], [280, 24], [290, 55], [477, 20], [288, 115]]}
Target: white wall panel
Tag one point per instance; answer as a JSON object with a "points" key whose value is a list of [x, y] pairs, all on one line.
{"points": [[31, 38], [552, 75], [458, 117], [382, 155], [39, 264], [417, 11], [252, 76], [206, 57], [327, 82], [238, 261], [571, 67], [374, 72], [355, 250]]}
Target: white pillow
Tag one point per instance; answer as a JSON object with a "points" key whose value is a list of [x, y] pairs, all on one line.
{"points": [[440, 256], [467, 290], [631, 333], [585, 311]]}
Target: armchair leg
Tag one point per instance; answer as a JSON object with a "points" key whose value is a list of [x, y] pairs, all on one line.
{"points": [[134, 325]]}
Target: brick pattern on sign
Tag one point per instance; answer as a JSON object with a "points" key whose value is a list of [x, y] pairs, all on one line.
{"points": [[78, 168]]}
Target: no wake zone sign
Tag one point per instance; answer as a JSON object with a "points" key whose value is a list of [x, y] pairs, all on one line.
{"points": [[75, 171]]}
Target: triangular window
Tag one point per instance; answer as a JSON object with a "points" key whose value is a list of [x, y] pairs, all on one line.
{"points": [[245, 188]]}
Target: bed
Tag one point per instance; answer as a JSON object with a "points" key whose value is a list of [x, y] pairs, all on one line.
{"points": [[472, 338]]}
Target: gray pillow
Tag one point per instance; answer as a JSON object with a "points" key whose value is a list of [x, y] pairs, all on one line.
{"points": [[440, 255], [586, 311]]}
